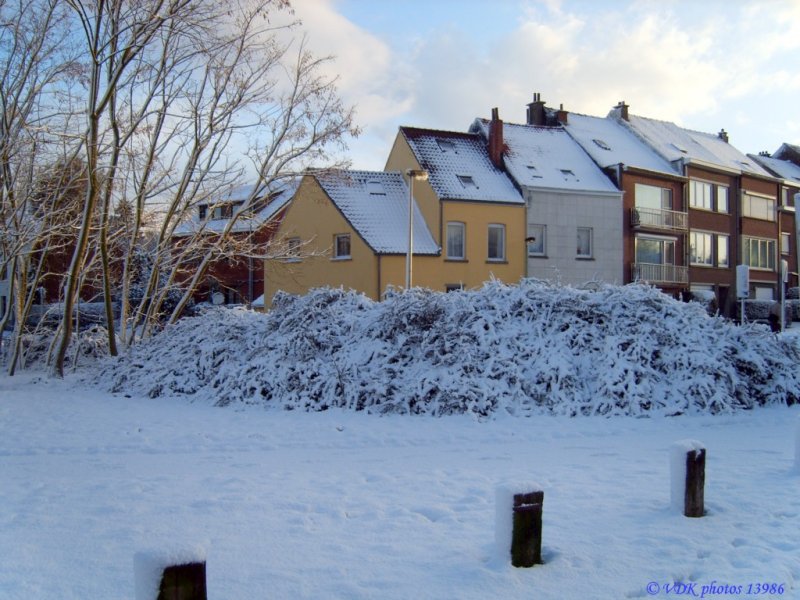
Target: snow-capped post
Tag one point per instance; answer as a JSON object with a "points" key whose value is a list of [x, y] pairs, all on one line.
{"points": [[519, 523], [688, 470], [170, 575]]}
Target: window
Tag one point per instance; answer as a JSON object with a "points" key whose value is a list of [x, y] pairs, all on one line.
{"points": [[293, 249], [786, 241], [341, 246], [533, 171], [497, 242], [700, 248], [649, 196], [758, 207], [569, 175], [455, 240], [758, 253], [601, 144], [375, 188], [453, 287], [655, 251], [700, 195], [202, 211], [537, 240], [723, 244], [446, 145], [721, 192], [584, 242], [467, 182]]}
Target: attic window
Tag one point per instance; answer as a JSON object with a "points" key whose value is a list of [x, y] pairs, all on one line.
{"points": [[375, 188], [467, 181], [446, 145], [679, 148], [601, 144], [568, 175], [533, 171]]}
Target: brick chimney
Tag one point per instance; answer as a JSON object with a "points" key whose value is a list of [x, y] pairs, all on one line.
{"points": [[496, 139], [536, 114], [562, 115], [723, 135], [623, 110]]}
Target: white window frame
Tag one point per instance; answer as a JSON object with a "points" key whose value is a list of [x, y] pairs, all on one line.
{"points": [[452, 226], [336, 254], [786, 242], [765, 248], [702, 201], [537, 230], [756, 206], [496, 227], [717, 194], [706, 241], [721, 237], [590, 233]]}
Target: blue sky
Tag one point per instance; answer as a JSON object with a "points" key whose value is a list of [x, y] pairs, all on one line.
{"points": [[704, 65]]}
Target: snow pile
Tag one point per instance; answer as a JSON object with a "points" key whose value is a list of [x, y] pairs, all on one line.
{"points": [[528, 349]]}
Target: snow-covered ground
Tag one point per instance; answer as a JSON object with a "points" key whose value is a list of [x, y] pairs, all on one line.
{"points": [[342, 504]]}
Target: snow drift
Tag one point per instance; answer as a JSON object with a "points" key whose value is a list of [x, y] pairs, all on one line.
{"points": [[529, 349]]}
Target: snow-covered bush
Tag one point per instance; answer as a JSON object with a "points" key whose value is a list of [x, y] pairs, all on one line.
{"points": [[527, 349]]}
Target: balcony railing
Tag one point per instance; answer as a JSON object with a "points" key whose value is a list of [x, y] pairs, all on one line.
{"points": [[654, 273], [657, 218]]}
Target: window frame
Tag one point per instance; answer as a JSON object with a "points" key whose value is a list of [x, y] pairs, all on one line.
{"points": [[748, 199], [590, 253], [336, 255], [502, 229], [708, 247], [462, 227], [787, 249], [708, 200], [543, 253], [770, 245]]}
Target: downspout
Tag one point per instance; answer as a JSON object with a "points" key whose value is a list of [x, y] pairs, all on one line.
{"points": [[378, 296]]}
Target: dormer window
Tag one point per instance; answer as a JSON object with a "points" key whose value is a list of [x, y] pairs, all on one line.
{"points": [[467, 182], [680, 149], [601, 144], [533, 171], [446, 145], [568, 175], [375, 188]]}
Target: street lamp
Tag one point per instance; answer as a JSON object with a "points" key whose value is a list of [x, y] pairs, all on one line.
{"points": [[412, 174]]}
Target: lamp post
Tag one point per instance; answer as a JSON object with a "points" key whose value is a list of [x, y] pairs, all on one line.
{"points": [[412, 174]]}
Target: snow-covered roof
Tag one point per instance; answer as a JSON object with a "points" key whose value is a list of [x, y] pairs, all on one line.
{"points": [[548, 158], [781, 168], [676, 143], [610, 144], [267, 204], [459, 167], [376, 204]]}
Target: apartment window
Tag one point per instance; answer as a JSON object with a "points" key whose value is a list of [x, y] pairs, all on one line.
{"points": [[723, 246], [786, 240], [341, 246], [497, 242], [758, 253], [584, 242], [455, 240], [537, 240], [655, 251], [721, 193], [700, 195], [700, 248], [758, 207], [650, 196]]}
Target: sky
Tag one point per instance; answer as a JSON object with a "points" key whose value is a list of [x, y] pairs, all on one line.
{"points": [[441, 63]]}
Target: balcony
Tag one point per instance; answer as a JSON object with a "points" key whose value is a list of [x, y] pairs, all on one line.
{"points": [[657, 218], [655, 273]]}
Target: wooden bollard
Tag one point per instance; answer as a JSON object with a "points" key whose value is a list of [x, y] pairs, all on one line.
{"points": [[688, 466], [519, 524], [172, 574]]}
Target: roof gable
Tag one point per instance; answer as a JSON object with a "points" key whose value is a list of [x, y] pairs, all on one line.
{"points": [[375, 203], [459, 167], [780, 168]]}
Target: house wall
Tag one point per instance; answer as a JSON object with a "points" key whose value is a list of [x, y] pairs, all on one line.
{"points": [[314, 218], [763, 229], [562, 214], [401, 158]]}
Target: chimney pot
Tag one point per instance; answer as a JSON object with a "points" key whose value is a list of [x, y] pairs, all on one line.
{"points": [[623, 110], [536, 112], [723, 135]]}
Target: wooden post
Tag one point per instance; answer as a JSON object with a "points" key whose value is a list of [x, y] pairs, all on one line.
{"points": [[526, 537], [693, 504], [688, 474], [184, 582]]}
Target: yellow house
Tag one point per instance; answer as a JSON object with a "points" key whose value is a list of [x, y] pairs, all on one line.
{"points": [[350, 228]]}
